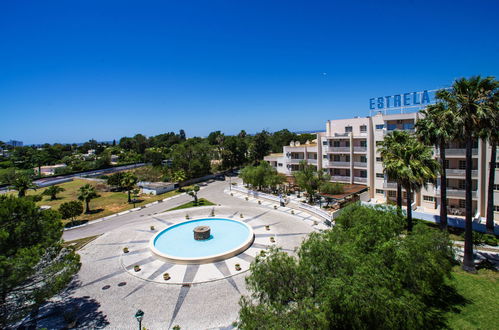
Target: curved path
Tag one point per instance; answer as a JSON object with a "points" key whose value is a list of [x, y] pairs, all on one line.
{"points": [[107, 292]]}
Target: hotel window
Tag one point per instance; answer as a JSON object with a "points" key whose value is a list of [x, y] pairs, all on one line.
{"points": [[462, 203], [496, 187], [363, 174], [336, 171], [380, 175], [392, 127], [363, 128], [363, 159], [348, 129], [347, 172], [379, 159], [347, 158], [380, 126], [380, 191], [409, 126], [392, 193], [462, 164], [324, 156], [279, 164], [446, 163], [428, 198], [336, 144], [324, 143], [363, 143], [496, 208], [347, 143], [461, 184], [336, 158]]}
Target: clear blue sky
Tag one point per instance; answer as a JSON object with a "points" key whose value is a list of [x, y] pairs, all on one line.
{"points": [[75, 70]]}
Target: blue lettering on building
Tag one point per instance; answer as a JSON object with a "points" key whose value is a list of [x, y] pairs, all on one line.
{"points": [[400, 100]]}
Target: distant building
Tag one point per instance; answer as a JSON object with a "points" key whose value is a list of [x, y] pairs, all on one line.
{"points": [[114, 159], [15, 143], [49, 169], [156, 188]]}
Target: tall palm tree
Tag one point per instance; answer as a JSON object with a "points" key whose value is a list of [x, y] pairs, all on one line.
{"points": [[390, 149], [413, 165], [52, 191], [469, 100], [437, 128], [490, 132], [128, 182], [85, 194]]}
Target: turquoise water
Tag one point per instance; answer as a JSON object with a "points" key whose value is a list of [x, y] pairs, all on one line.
{"points": [[178, 240]]}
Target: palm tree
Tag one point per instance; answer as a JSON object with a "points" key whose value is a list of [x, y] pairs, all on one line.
{"points": [[390, 149], [52, 191], [194, 193], [85, 194], [437, 128], [469, 100], [411, 163], [128, 182], [308, 178], [21, 181]]}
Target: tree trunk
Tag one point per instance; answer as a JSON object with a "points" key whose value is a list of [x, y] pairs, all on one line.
{"points": [[129, 199], [443, 189], [409, 209], [399, 198], [87, 206], [468, 260], [490, 188]]}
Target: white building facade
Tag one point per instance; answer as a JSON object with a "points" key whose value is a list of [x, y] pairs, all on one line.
{"points": [[348, 151]]}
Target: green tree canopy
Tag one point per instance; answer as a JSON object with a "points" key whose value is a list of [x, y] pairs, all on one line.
{"points": [[128, 182], [361, 274], [261, 176], [33, 264], [71, 210], [308, 178]]}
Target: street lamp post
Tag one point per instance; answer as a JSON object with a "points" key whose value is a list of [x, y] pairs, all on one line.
{"points": [[139, 315]]}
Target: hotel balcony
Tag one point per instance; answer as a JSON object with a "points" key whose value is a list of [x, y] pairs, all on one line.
{"points": [[390, 185], [312, 161], [295, 160], [360, 164], [456, 192], [360, 149], [451, 172], [386, 131], [341, 134], [339, 149], [457, 152], [359, 179], [339, 164], [340, 178]]}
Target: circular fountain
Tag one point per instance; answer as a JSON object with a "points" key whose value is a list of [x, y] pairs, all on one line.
{"points": [[202, 241]]}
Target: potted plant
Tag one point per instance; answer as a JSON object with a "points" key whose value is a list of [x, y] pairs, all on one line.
{"points": [[136, 268], [267, 227], [238, 267], [232, 194], [316, 223], [166, 276], [152, 227], [260, 202], [125, 250], [272, 239], [246, 198], [187, 217], [213, 212], [275, 207], [292, 211], [241, 215]]}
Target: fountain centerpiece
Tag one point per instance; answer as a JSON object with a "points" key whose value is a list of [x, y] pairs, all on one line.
{"points": [[201, 233]]}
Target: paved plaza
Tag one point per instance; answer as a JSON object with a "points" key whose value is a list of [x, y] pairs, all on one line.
{"points": [[108, 291]]}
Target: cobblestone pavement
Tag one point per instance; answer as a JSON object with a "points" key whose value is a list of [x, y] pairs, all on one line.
{"points": [[107, 292]]}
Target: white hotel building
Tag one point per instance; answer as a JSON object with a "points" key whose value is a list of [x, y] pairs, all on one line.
{"points": [[348, 151]]}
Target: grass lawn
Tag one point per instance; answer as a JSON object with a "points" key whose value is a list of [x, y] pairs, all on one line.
{"points": [[482, 294], [80, 243], [201, 202], [107, 204]]}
